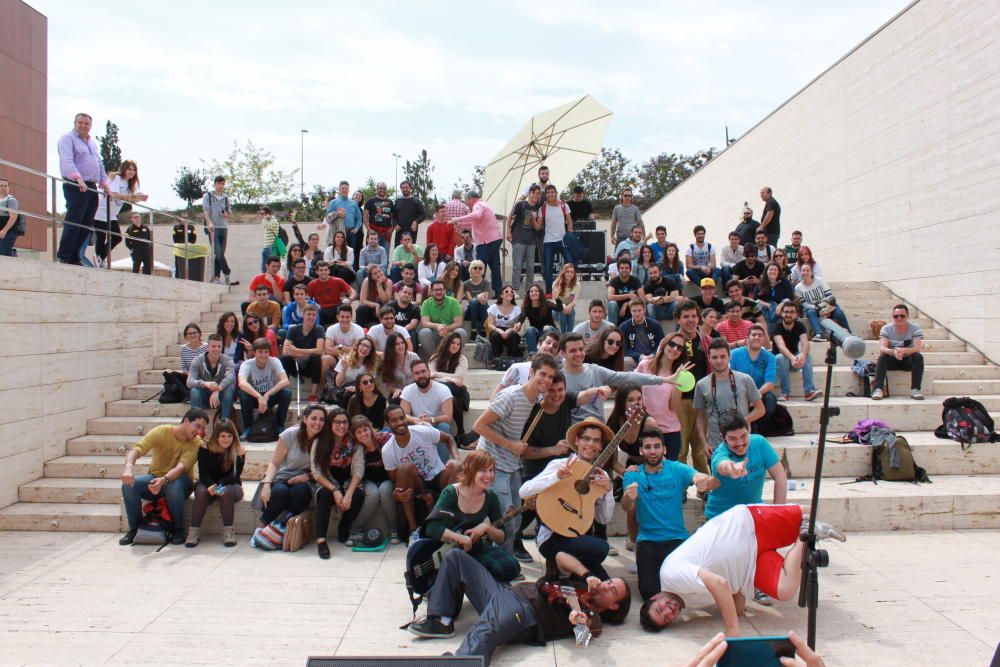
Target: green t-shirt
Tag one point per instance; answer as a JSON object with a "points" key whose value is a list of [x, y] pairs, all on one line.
{"points": [[448, 501], [443, 314], [400, 254]]}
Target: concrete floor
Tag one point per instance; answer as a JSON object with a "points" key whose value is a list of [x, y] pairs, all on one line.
{"points": [[930, 598]]}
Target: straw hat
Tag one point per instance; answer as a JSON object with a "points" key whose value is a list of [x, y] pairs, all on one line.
{"points": [[606, 433]]}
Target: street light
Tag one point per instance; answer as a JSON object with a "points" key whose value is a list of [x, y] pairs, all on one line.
{"points": [[395, 183], [302, 162]]}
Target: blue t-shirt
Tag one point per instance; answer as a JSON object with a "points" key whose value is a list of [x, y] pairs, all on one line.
{"points": [[763, 370], [746, 490], [659, 509]]}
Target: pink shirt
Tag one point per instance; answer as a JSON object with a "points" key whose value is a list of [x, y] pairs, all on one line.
{"points": [[734, 332], [656, 399], [482, 220]]}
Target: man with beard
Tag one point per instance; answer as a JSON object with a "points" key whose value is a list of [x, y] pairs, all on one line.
{"points": [[655, 493], [410, 212], [381, 215], [427, 401]]}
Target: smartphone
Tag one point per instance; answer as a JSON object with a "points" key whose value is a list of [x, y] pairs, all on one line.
{"points": [[756, 652]]}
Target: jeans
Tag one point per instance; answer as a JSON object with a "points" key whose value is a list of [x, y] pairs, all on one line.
{"points": [[566, 322], [913, 363], [355, 240], [815, 320], [7, 243], [697, 275], [442, 447], [80, 208], [294, 498], [548, 262], [507, 486], [375, 495], [279, 401], [770, 312], [475, 312], [588, 549], [649, 556], [524, 257], [221, 235], [726, 273], [531, 336], [660, 311], [176, 492], [265, 252], [785, 370], [489, 254], [200, 396]]}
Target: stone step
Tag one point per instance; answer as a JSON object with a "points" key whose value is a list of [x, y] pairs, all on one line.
{"points": [[71, 517], [92, 467], [100, 445], [134, 426], [71, 490], [966, 387]]}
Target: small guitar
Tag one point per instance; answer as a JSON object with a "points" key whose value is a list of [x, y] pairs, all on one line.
{"points": [[567, 507], [423, 558]]}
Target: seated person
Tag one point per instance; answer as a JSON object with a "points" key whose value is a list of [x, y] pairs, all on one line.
{"points": [[537, 316], [707, 298], [612, 268], [465, 253], [271, 279], [171, 472], [330, 293], [220, 464], [395, 372], [376, 292], [659, 246], [340, 256], [642, 335], [449, 367], [758, 362], [387, 325], [749, 309], [661, 293], [299, 276], [655, 493], [763, 249], [632, 243], [292, 313], [426, 401], [699, 259], [406, 253], [772, 291], [790, 345], [817, 301], [899, 345], [748, 271], [608, 351], [595, 324], [302, 351], [366, 401], [264, 307], [362, 358], [431, 266], [734, 328], [740, 465], [709, 320], [792, 251], [263, 385], [409, 279], [211, 380], [372, 254], [722, 562], [476, 292], [621, 288], [407, 312], [378, 487], [730, 256], [439, 315], [341, 335], [337, 467]]}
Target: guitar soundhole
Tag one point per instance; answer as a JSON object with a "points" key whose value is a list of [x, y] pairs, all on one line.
{"points": [[582, 486]]}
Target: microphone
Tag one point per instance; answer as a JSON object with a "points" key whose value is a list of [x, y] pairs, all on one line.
{"points": [[853, 347]]}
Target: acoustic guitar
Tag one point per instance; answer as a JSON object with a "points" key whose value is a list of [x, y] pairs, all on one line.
{"points": [[567, 507]]}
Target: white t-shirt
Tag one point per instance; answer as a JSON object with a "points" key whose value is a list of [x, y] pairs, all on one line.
{"points": [[328, 255], [555, 222], [702, 254], [726, 546], [378, 333], [421, 452], [262, 379], [428, 403], [119, 186], [504, 321], [517, 374], [337, 335]]}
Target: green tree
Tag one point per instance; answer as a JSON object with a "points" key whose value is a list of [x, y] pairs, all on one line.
{"points": [[419, 174], [251, 177], [478, 178], [662, 173], [605, 176], [111, 153], [190, 184]]}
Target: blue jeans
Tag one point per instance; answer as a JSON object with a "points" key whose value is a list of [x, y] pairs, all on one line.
{"points": [[660, 311], [475, 312], [548, 262], [785, 370], [279, 401], [678, 277], [176, 492], [531, 336], [588, 549], [221, 235], [80, 208], [507, 486], [442, 447], [726, 272], [697, 275], [200, 396], [489, 254], [815, 320], [7, 243], [770, 312], [566, 322], [265, 252]]}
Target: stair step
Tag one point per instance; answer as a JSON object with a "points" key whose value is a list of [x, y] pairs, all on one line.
{"points": [[100, 445], [71, 490], [126, 425], [70, 517]]}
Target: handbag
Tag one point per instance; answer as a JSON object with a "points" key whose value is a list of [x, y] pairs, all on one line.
{"points": [[272, 536], [299, 531]]}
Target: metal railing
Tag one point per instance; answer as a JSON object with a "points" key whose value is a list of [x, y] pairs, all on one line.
{"points": [[53, 222]]}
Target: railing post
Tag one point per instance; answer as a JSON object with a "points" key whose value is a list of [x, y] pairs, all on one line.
{"points": [[152, 247], [109, 236], [55, 239]]}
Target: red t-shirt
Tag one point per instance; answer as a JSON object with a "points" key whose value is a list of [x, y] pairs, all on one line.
{"points": [[261, 279], [328, 294], [444, 235]]}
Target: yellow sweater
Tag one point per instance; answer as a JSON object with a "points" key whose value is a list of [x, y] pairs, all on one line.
{"points": [[168, 450]]}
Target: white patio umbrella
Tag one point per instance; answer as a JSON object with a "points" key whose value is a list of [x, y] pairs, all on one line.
{"points": [[564, 139]]}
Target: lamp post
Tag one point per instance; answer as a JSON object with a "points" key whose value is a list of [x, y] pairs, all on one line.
{"points": [[302, 162], [395, 183]]}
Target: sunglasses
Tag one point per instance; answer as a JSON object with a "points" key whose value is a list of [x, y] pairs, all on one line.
{"points": [[364, 382], [899, 317], [612, 341], [675, 346]]}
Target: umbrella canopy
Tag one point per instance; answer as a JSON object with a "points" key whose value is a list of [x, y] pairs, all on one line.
{"points": [[564, 139]]}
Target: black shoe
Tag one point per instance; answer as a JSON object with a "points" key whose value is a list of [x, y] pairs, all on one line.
{"points": [[468, 440], [521, 553], [178, 537], [128, 538], [474, 335], [324, 550], [432, 628]]}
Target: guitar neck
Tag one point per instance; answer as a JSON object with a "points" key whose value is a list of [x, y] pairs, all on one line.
{"points": [[605, 455]]}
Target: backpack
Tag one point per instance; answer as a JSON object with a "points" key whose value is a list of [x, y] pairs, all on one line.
{"points": [[894, 463], [264, 427], [174, 388], [967, 421], [484, 350], [778, 424], [20, 227], [155, 527]]}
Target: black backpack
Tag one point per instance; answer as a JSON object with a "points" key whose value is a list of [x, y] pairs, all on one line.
{"points": [[778, 424], [174, 388], [264, 427], [967, 421], [895, 463]]}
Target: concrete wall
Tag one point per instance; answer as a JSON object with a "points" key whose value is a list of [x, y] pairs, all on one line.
{"points": [[889, 162], [74, 338]]}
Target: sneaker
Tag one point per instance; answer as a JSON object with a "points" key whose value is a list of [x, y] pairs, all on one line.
{"points": [[227, 279], [193, 537], [612, 551], [819, 338], [825, 531], [877, 395], [228, 536], [214, 280], [521, 554], [323, 549], [813, 395], [916, 395], [432, 628], [245, 435], [178, 538], [393, 537], [629, 545], [128, 538], [312, 398], [784, 397], [760, 597], [633, 569]]}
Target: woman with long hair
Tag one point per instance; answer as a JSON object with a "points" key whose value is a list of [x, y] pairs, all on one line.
{"points": [[818, 302], [643, 261], [536, 316], [312, 253], [448, 366], [124, 187], [772, 289], [663, 401], [503, 324], [566, 291], [395, 372], [253, 328], [377, 486], [451, 278], [376, 291], [709, 318], [471, 502], [431, 267], [367, 401], [607, 350], [337, 468], [286, 484], [361, 359], [780, 257], [673, 264], [220, 464], [229, 329], [294, 253], [340, 257], [627, 397], [805, 258], [190, 348]]}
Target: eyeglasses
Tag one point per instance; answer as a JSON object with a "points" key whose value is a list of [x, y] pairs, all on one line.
{"points": [[341, 421], [612, 341], [899, 317], [191, 333], [675, 346]]}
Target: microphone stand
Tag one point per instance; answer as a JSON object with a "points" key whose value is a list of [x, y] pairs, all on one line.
{"points": [[813, 558]]}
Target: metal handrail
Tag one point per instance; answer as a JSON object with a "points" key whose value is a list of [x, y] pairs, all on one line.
{"points": [[52, 221]]}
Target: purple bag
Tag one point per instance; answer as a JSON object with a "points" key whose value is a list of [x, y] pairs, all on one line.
{"points": [[862, 429]]}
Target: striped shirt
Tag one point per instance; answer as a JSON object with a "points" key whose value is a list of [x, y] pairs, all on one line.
{"points": [[513, 408], [188, 355]]}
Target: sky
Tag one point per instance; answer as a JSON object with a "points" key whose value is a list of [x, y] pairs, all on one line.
{"points": [[183, 80]]}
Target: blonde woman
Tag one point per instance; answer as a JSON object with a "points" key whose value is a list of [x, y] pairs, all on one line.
{"points": [[566, 291]]}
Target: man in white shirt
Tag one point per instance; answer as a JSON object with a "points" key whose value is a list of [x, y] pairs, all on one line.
{"points": [[342, 335], [427, 401], [699, 259], [726, 558], [730, 256], [380, 332]]}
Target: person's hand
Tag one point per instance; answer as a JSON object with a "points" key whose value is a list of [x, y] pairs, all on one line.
{"points": [[427, 419], [345, 503], [3, 233], [566, 469], [247, 345], [632, 468], [709, 654], [210, 489], [592, 583], [265, 494], [157, 485], [600, 479], [212, 386], [701, 483], [799, 361], [631, 491], [128, 474], [738, 470], [262, 405], [141, 197], [213, 400], [458, 382], [706, 270], [402, 495], [299, 479], [481, 297], [477, 532], [806, 656], [686, 366], [898, 354], [560, 448], [509, 237], [604, 392], [81, 184], [577, 618], [519, 447], [442, 331], [567, 309], [464, 541]]}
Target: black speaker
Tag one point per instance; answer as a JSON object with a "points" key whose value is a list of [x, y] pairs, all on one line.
{"points": [[596, 244], [584, 225], [398, 661]]}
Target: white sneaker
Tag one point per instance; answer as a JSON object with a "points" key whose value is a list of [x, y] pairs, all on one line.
{"points": [[877, 395], [916, 395]]}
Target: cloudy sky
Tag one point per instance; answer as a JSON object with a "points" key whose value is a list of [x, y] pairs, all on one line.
{"points": [[184, 79]]}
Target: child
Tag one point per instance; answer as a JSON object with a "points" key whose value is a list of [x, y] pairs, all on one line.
{"points": [[138, 240]]}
